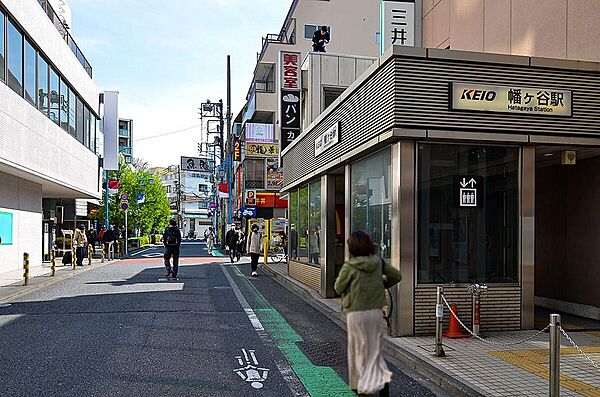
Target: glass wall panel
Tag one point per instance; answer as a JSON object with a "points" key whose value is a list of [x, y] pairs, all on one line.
{"points": [[15, 59], [92, 133], [293, 237], [2, 52], [314, 222], [86, 127], [372, 200], [467, 229], [54, 96], [30, 73], [303, 224], [43, 103], [64, 105], [72, 113], [80, 127]]}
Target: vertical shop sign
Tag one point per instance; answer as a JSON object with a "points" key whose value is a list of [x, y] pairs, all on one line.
{"points": [[289, 97], [399, 23]]}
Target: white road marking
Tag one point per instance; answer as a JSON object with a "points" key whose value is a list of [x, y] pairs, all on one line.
{"points": [[140, 252], [287, 373], [251, 372], [153, 255]]}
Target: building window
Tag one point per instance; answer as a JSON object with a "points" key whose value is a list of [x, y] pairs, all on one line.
{"points": [[92, 132], [79, 116], [2, 25], [293, 236], [43, 98], [255, 174], [371, 199], [309, 30], [64, 105], [54, 96], [314, 222], [330, 94], [303, 224], [467, 243], [15, 59], [30, 73], [72, 113]]}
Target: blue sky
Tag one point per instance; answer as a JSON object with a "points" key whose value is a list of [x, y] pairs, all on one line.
{"points": [[165, 57]]}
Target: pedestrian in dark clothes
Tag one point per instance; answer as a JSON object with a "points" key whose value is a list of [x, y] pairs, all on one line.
{"points": [[172, 241]]}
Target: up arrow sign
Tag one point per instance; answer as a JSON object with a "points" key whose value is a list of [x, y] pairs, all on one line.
{"points": [[464, 183]]}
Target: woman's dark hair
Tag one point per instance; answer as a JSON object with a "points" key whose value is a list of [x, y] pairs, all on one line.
{"points": [[360, 244], [254, 228], [172, 222], [324, 28]]}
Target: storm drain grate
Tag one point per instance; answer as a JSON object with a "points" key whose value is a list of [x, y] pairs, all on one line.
{"points": [[325, 354]]}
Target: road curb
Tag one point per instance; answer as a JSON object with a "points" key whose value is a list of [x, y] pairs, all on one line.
{"points": [[406, 358], [61, 274]]}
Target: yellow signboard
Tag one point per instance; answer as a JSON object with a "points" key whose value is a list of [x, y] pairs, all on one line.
{"points": [[262, 149], [511, 99]]}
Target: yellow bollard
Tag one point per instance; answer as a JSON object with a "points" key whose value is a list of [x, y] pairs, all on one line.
{"points": [[73, 257], [25, 268], [102, 253], [53, 261], [266, 249], [90, 252]]}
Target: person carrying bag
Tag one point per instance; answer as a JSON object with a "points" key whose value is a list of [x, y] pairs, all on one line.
{"points": [[361, 283]]}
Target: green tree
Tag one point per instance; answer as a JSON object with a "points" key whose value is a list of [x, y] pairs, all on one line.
{"points": [[136, 179]]}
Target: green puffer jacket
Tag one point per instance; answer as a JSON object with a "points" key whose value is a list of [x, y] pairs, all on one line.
{"points": [[360, 283]]}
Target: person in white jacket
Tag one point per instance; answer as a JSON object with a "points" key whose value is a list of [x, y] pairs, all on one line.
{"points": [[253, 246]]}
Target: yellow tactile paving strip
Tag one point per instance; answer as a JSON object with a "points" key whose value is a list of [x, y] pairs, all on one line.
{"points": [[536, 362]]}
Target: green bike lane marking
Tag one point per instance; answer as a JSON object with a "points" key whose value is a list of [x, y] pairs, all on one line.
{"points": [[318, 380]]}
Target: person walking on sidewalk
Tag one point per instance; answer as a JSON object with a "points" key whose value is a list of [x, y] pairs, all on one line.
{"points": [[172, 241], [231, 239], [361, 284], [254, 245], [209, 237], [79, 243]]}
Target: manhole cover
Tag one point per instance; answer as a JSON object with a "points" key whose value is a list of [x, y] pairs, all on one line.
{"points": [[3, 305], [327, 354]]}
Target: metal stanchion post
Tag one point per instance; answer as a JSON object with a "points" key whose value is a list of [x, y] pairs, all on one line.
{"points": [[554, 355], [476, 290], [102, 253], [25, 268], [439, 316], [53, 261]]}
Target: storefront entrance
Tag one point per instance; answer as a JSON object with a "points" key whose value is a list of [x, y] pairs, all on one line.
{"points": [[567, 225]]}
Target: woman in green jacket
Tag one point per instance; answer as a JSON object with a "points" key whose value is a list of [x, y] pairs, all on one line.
{"points": [[361, 285]]}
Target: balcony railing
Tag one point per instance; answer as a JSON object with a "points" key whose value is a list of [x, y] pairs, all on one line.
{"points": [[64, 32], [264, 86]]}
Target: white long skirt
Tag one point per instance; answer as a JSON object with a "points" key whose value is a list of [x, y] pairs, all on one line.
{"points": [[367, 369]]}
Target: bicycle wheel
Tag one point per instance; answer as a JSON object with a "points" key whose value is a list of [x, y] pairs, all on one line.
{"points": [[388, 307], [278, 254]]}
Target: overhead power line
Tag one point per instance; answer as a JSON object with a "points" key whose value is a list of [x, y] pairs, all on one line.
{"points": [[168, 133]]}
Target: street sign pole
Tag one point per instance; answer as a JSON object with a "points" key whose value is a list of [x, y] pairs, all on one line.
{"points": [[126, 211]]}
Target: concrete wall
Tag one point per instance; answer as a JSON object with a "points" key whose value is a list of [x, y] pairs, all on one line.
{"points": [[24, 200], [567, 215], [565, 29]]}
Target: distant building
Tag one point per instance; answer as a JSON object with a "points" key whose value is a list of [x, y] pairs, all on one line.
{"points": [[126, 139], [189, 194]]}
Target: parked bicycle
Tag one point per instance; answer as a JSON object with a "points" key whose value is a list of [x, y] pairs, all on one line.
{"points": [[277, 254]]}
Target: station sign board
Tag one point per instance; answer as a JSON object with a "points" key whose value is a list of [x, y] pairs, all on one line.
{"points": [[511, 99]]}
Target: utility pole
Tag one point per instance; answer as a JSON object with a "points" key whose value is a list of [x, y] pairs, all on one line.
{"points": [[229, 144]]}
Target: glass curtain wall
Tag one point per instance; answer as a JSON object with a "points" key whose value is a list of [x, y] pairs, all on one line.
{"points": [[72, 113], [372, 200], [80, 128], [43, 99], [15, 59], [305, 215], [30, 73], [2, 53], [468, 214], [64, 105], [54, 96], [314, 222], [293, 234]]}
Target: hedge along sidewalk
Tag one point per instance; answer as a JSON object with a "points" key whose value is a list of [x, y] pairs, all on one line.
{"points": [[11, 283]]}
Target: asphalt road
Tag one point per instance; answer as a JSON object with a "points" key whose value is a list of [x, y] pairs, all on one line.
{"points": [[122, 330]]}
